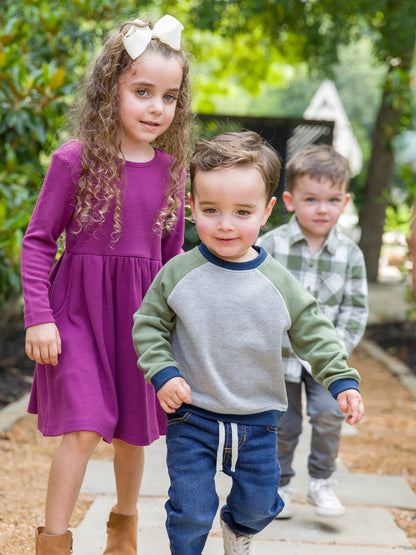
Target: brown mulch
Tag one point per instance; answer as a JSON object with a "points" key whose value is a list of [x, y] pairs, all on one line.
{"points": [[397, 339], [385, 444]]}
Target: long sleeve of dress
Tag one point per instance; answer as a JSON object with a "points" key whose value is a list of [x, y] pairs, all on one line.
{"points": [[51, 215]]}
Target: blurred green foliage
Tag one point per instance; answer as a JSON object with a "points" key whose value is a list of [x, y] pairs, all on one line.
{"points": [[243, 52], [277, 34], [44, 49]]}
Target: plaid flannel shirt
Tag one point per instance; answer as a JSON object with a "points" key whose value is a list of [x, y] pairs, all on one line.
{"points": [[335, 276]]}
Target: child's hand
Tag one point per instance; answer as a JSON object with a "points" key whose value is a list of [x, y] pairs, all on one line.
{"points": [[351, 403], [173, 393], [43, 343]]}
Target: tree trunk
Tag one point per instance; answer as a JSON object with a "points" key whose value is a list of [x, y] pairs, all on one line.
{"points": [[379, 182]]}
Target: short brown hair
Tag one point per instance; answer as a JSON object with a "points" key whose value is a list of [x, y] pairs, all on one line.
{"points": [[318, 161], [228, 150]]}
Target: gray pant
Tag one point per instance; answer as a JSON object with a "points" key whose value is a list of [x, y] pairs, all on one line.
{"points": [[326, 419]]}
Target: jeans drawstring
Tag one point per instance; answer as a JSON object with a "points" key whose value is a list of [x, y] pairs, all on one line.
{"points": [[221, 441], [221, 446]]}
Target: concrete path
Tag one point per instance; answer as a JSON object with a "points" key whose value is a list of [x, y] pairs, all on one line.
{"points": [[367, 527]]}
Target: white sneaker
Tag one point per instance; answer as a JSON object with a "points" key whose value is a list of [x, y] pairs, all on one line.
{"points": [[236, 545], [285, 493], [323, 498]]}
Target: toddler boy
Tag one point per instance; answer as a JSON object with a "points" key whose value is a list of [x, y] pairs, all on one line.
{"points": [[208, 335], [331, 267]]}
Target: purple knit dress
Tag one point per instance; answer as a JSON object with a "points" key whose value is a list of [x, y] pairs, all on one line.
{"points": [[91, 294]]}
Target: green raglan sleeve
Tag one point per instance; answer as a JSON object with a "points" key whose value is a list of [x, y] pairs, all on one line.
{"points": [[314, 339], [312, 336], [153, 324]]}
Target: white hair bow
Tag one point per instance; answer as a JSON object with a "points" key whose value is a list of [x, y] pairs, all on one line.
{"points": [[168, 30]]}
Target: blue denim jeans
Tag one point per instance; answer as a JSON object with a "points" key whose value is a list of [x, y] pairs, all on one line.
{"points": [[253, 502]]}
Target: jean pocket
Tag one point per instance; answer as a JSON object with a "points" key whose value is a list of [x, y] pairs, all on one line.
{"points": [[272, 429], [178, 418]]}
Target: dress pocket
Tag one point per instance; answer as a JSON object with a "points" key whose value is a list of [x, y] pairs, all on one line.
{"points": [[59, 293]]}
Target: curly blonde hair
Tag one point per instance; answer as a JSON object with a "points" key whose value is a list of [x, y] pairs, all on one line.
{"points": [[97, 126]]}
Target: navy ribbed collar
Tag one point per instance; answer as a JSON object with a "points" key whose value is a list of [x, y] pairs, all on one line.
{"points": [[249, 265]]}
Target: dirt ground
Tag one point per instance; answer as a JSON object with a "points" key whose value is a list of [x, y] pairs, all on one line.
{"points": [[385, 444]]}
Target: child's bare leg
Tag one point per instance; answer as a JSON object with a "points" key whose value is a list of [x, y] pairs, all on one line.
{"points": [[128, 470], [65, 479]]}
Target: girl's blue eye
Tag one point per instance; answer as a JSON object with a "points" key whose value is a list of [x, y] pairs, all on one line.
{"points": [[141, 92], [170, 98], [209, 210], [243, 212]]}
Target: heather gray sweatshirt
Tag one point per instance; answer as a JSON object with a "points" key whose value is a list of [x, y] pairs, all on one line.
{"points": [[220, 325]]}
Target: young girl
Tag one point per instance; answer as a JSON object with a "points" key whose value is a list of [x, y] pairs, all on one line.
{"points": [[119, 200]]}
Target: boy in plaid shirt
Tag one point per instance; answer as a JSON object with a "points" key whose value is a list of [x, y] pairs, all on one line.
{"points": [[330, 267]]}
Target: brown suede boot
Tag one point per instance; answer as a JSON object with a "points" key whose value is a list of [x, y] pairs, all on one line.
{"points": [[122, 534], [53, 545]]}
